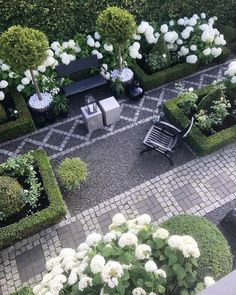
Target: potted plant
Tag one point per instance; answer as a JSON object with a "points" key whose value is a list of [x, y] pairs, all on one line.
{"points": [[60, 106], [24, 49], [117, 26]]}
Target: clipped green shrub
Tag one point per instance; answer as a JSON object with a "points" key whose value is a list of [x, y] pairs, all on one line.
{"points": [[3, 115], [42, 219], [207, 100], [159, 58], [11, 200], [216, 258], [23, 291], [72, 172], [116, 26]]}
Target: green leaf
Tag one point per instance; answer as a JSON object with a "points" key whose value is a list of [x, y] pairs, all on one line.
{"points": [[149, 284], [161, 289], [140, 283], [172, 259]]}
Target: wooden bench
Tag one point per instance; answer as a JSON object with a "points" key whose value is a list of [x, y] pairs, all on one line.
{"points": [[75, 67]]}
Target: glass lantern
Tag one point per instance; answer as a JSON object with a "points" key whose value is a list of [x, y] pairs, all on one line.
{"points": [[91, 106]]}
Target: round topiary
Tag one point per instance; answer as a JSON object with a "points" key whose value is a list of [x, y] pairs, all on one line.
{"points": [[116, 26], [11, 196], [72, 172], [24, 48], [216, 258], [3, 115]]}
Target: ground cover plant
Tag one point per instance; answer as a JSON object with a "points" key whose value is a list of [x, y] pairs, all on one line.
{"points": [[30, 197], [213, 108], [132, 258]]}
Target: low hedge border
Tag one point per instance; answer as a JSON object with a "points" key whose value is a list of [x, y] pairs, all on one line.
{"points": [[176, 72], [22, 125], [24, 291], [199, 142], [42, 219]]}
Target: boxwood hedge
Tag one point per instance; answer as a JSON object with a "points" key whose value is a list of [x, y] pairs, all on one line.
{"points": [[199, 142], [22, 125], [176, 72], [53, 213], [216, 259]]}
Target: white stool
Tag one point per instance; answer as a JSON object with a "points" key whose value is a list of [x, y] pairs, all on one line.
{"points": [[92, 121], [110, 109]]}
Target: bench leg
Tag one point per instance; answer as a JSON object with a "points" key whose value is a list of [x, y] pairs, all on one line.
{"points": [[148, 149], [169, 158]]}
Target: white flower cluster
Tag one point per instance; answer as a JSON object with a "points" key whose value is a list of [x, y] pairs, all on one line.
{"points": [[65, 52], [78, 268], [231, 72], [148, 31]]}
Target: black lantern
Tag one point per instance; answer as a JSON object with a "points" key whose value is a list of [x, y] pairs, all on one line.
{"points": [[135, 91], [91, 106]]}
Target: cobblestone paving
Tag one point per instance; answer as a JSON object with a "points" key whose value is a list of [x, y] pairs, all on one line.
{"points": [[197, 187]]}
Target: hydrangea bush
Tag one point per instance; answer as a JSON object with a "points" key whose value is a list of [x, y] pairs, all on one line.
{"points": [[133, 258]]}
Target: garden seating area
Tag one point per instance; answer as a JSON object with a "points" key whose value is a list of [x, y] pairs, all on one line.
{"points": [[93, 110]]}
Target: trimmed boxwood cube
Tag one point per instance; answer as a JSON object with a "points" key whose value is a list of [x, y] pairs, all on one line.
{"points": [[29, 225], [200, 143], [22, 125]]}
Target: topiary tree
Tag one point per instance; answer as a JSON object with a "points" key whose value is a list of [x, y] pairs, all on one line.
{"points": [[11, 193], [216, 258], [116, 26], [24, 48]]}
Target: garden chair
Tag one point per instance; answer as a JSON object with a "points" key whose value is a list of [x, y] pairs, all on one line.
{"points": [[165, 138]]}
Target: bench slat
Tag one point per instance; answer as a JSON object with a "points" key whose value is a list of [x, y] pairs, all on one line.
{"points": [[77, 65], [84, 85]]}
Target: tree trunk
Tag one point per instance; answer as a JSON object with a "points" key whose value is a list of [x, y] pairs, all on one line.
{"points": [[36, 85], [119, 59]]}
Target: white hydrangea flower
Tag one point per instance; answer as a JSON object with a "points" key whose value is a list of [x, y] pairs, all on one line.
{"points": [[109, 237], [143, 219], [160, 233], [209, 281], [127, 239], [171, 23], [183, 51], [2, 95], [93, 239], [134, 51], [179, 41], [160, 272], [136, 37], [108, 47], [175, 242], [111, 272], [233, 79], [67, 253], [164, 28], [231, 71], [97, 36], [55, 45], [65, 45], [139, 291], [193, 47], [171, 37], [90, 42], [216, 51], [220, 40], [142, 27], [207, 51], [203, 15], [42, 68], [20, 87], [71, 44], [12, 75], [72, 279], [118, 219], [150, 266], [99, 54], [181, 22], [97, 44], [191, 59], [185, 34], [51, 263], [192, 21], [143, 251], [97, 263], [207, 36], [25, 81], [85, 282], [3, 84], [5, 67]]}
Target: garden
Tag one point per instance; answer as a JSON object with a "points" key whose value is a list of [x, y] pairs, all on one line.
{"points": [[138, 51]]}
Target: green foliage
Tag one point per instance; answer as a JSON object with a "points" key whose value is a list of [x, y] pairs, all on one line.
{"points": [[60, 105], [206, 102], [11, 193], [72, 172], [3, 115], [159, 57], [215, 258], [23, 167], [199, 142], [42, 219], [117, 87], [22, 125], [23, 291], [188, 104], [23, 48]]}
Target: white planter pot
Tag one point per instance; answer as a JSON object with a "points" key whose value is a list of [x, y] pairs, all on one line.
{"points": [[126, 75], [40, 105]]}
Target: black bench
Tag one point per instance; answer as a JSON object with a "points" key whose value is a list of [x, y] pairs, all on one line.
{"points": [[75, 67]]}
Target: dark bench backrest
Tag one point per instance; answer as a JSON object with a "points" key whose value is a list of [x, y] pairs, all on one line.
{"points": [[77, 65]]}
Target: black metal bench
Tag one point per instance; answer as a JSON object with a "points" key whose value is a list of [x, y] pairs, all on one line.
{"points": [[75, 67]]}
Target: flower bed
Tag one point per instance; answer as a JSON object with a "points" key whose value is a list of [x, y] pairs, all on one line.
{"points": [[214, 110], [21, 125], [134, 258], [49, 215]]}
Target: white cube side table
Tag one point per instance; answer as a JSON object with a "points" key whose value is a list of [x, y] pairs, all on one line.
{"points": [[110, 109], [92, 121]]}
